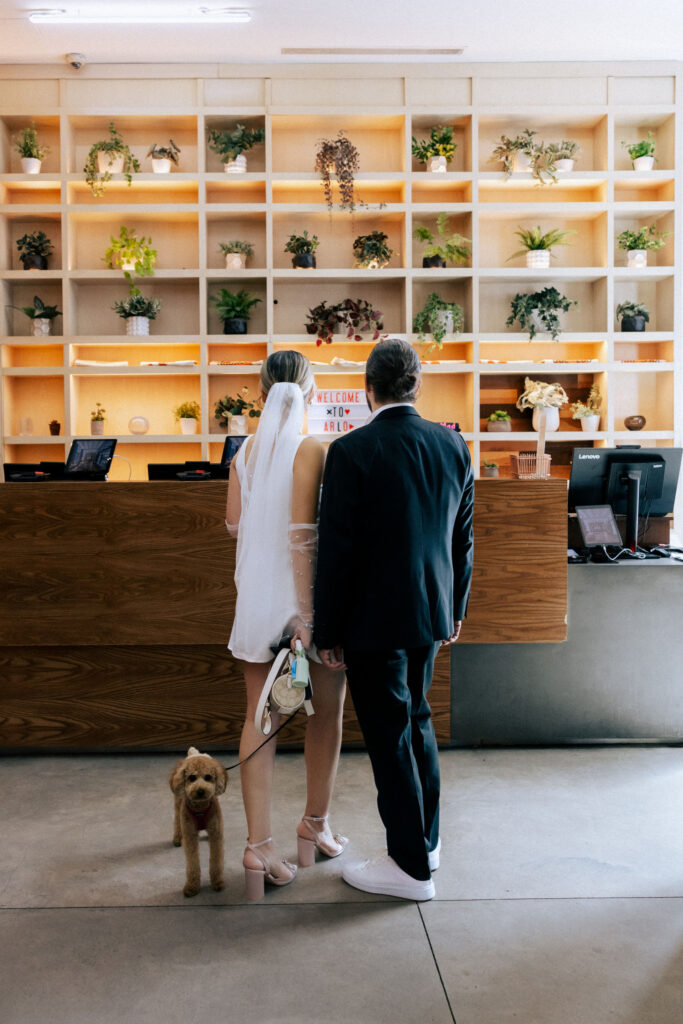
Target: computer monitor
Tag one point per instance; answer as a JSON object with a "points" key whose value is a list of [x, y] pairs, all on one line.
{"points": [[89, 457], [634, 481]]}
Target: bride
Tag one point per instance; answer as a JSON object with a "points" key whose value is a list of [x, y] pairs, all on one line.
{"points": [[272, 509]]}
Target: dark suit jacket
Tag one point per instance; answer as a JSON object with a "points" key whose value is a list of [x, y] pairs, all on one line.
{"points": [[395, 544]]}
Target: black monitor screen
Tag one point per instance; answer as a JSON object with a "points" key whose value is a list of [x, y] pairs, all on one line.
{"points": [[598, 475], [232, 445], [90, 456], [598, 525]]}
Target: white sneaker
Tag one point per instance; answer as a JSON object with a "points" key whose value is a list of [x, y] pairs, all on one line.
{"points": [[435, 856], [383, 875]]}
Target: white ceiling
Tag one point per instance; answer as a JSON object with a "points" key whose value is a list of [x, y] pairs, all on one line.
{"points": [[490, 30]]}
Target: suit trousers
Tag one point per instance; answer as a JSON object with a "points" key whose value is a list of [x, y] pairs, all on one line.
{"points": [[389, 691]]}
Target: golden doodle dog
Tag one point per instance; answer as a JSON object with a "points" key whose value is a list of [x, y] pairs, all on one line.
{"points": [[197, 780]]}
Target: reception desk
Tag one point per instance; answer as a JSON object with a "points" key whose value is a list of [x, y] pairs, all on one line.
{"points": [[116, 601]]}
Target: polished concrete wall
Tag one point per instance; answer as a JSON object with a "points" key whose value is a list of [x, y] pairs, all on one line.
{"points": [[619, 676]]}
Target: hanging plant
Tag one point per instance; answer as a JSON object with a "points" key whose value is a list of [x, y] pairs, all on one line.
{"points": [[341, 156], [98, 173]]}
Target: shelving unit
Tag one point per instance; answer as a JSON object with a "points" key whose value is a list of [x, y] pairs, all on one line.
{"points": [[189, 212]]}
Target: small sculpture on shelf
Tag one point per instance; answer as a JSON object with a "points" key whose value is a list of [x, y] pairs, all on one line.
{"points": [[134, 256], [97, 417], [341, 156], [371, 252], [633, 316], [187, 414], [589, 411], [106, 158], [41, 316], [232, 144], [635, 422], [438, 318], [234, 309], [137, 310], [232, 412], [34, 249], [236, 253], [54, 427], [538, 246], [637, 244], [642, 153], [29, 149], [538, 311], [164, 156], [356, 317], [303, 250], [450, 247], [437, 151], [499, 422]]}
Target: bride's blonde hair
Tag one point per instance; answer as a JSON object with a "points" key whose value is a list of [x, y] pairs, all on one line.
{"points": [[289, 366]]}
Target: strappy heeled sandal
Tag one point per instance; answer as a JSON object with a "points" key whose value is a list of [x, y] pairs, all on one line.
{"points": [[306, 847], [255, 878]]}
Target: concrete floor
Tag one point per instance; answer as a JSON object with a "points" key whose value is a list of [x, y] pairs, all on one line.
{"points": [[559, 900]]}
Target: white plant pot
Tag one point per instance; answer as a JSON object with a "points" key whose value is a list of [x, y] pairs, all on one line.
{"points": [[41, 327], [30, 165], [161, 165], [590, 423], [636, 258], [522, 162], [538, 259], [238, 425], [552, 419], [446, 321], [188, 425], [564, 165], [108, 163], [128, 265], [96, 426], [235, 261], [437, 164], [643, 163], [236, 166], [137, 325]]}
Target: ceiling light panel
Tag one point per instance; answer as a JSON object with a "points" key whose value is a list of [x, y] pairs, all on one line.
{"points": [[196, 16]]}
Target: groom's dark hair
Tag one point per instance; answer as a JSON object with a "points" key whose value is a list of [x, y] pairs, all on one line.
{"points": [[393, 371]]}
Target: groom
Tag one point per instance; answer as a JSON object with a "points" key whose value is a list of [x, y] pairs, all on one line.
{"points": [[392, 582]]}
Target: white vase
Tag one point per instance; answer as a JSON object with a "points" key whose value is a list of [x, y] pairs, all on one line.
{"points": [[30, 165], [236, 166], [551, 416], [235, 261], [437, 164], [110, 163], [188, 425], [590, 423], [161, 165], [41, 327], [138, 424], [564, 165], [238, 425], [643, 163], [445, 319], [636, 258], [522, 162], [538, 259], [96, 426], [137, 325]]}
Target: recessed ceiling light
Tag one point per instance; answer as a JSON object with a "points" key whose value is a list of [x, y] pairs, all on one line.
{"points": [[198, 16]]}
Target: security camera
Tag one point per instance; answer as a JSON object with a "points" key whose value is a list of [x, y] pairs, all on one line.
{"points": [[75, 60]]}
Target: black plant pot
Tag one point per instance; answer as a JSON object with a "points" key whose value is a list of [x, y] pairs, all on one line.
{"points": [[633, 323], [32, 262], [304, 260], [235, 325], [433, 261]]}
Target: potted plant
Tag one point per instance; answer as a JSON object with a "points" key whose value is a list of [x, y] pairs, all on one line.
{"points": [[642, 153], [34, 249], [40, 315], [438, 318], [164, 156], [137, 310], [538, 246], [489, 469], [450, 246], [633, 316], [232, 412], [517, 153], [134, 256], [232, 144], [187, 414], [106, 158], [303, 250], [436, 151], [97, 417], [236, 253], [371, 252], [637, 243], [341, 156], [545, 399], [589, 411], [234, 309], [538, 311], [564, 154], [355, 316], [29, 149], [54, 427], [499, 422]]}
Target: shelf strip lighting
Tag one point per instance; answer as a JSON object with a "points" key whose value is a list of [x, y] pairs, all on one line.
{"points": [[201, 16]]}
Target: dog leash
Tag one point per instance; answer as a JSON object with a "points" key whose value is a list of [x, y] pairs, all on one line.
{"points": [[272, 736]]}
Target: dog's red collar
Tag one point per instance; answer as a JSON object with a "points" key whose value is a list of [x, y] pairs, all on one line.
{"points": [[201, 818]]}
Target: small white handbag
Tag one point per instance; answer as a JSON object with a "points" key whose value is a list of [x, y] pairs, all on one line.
{"points": [[286, 689]]}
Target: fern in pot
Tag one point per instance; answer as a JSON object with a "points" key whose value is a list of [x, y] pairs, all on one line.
{"points": [[234, 309], [30, 150], [445, 247], [538, 246]]}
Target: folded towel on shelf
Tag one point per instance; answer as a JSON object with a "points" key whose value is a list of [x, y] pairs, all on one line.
{"points": [[98, 362]]}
